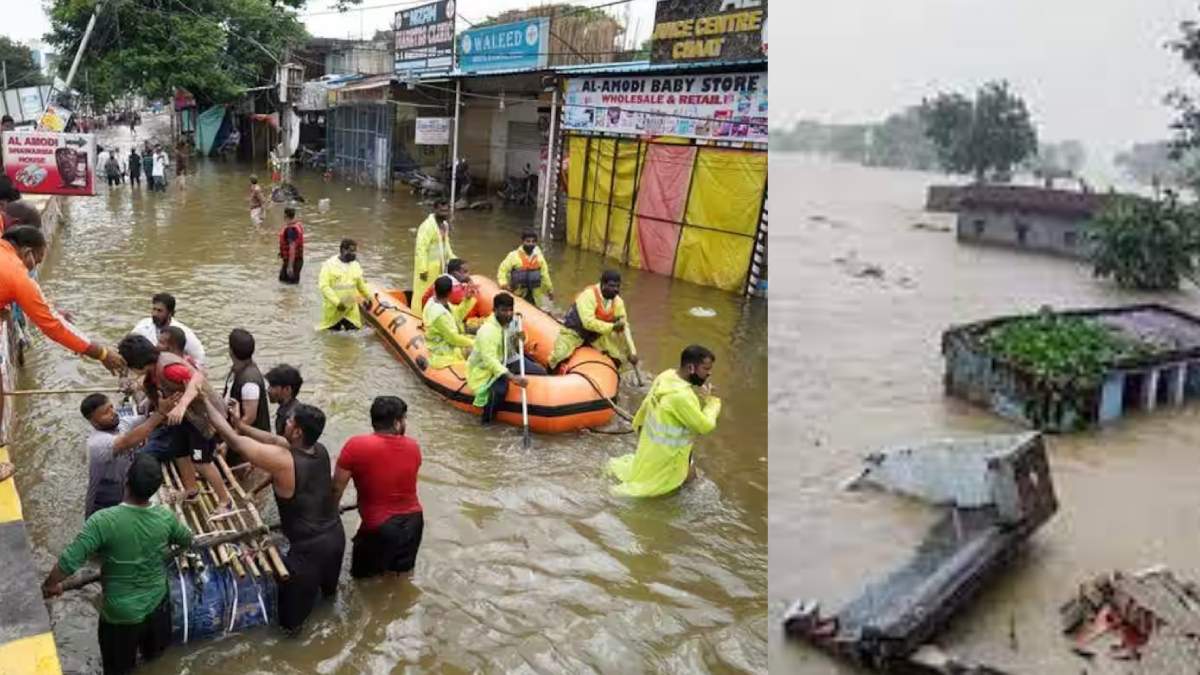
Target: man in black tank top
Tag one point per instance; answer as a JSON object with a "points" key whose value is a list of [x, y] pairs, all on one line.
{"points": [[302, 478]]}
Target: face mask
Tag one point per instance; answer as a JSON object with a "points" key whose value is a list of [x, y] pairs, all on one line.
{"points": [[609, 295], [529, 248], [349, 257], [696, 379]]}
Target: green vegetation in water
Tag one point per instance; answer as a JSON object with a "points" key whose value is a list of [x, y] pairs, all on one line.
{"points": [[1063, 349], [1147, 244]]}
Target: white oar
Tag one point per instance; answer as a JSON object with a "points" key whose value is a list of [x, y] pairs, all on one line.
{"points": [[526, 441], [629, 341]]}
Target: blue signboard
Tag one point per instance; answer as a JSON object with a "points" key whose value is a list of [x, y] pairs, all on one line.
{"points": [[521, 44]]}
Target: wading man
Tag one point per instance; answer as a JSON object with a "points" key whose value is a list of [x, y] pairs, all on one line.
{"points": [[291, 246], [668, 421], [110, 449], [598, 319], [283, 386], [300, 472], [162, 314], [433, 251], [384, 468], [132, 540], [342, 289]]}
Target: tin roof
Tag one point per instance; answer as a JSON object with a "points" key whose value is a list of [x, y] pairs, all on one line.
{"points": [[1032, 199]]}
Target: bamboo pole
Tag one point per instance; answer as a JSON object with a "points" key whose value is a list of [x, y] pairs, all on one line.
{"points": [[183, 562], [69, 390], [272, 551]]}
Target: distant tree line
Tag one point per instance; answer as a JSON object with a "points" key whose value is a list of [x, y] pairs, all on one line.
{"points": [[897, 142]]}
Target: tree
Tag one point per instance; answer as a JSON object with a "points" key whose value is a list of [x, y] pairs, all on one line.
{"points": [[984, 138], [1146, 244], [21, 67], [1057, 160], [1157, 164], [214, 48], [900, 142]]}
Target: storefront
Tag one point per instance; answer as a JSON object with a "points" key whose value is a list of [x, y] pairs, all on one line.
{"points": [[667, 168]]}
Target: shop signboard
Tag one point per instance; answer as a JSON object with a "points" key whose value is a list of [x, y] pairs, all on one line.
{"points": [[48, 163], [425, 37], [433, 131], [520, 44], [720, 106], [695, 31]]}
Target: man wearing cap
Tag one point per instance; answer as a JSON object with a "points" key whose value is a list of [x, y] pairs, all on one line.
{"points": [[132, 540]]}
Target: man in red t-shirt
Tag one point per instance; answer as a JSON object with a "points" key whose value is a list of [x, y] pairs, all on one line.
{"points": [[384, 467]]}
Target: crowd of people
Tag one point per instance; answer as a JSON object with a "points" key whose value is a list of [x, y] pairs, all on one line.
{"points": [[173, 413], [153, 162]]}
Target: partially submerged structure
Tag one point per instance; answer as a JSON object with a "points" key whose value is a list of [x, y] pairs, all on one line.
{"points": [[996, 491], [1021, 216], [1154, 360]]}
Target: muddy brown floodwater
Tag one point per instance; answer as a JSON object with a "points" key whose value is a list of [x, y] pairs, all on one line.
{"points": [[528, 563], [856, 366]]}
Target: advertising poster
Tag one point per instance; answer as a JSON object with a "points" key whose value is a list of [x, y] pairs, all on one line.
{"points": [[433, 131], [55, 118], [521, 44], [425, 37], [694, 31], [43, 162], [725, 106]]}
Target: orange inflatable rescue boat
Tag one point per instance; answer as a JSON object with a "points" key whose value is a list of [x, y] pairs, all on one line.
{"points": [[568, 400]]}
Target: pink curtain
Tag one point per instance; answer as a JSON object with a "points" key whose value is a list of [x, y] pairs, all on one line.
{"points": [[662, 197]]}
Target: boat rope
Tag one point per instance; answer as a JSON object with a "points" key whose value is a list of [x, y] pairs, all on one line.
{"points": [[624, 415]]}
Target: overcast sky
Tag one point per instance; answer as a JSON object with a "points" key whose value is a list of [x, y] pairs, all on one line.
{"points": [[25, 19], [1090, 69]]}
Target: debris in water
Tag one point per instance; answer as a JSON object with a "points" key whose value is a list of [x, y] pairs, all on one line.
{"points": [[702, 312], [930, 227], [1149, 616], [858, 268], [998, 492], [323, 205]]}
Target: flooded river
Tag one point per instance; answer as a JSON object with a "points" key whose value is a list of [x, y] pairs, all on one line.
{"points": [[856, 366], [528, 564]]}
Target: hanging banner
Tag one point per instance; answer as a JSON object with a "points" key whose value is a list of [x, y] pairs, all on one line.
{"points": [[433, 131], [693, 31], [726, 106], [42, 162], [425, 37], [55, 118], [521, 44]]}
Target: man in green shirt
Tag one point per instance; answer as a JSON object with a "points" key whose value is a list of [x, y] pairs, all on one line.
{"points": [[132, 541]]}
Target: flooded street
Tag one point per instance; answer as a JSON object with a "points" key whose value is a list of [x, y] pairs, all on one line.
{"points": [[856, 366], [528, 564]]}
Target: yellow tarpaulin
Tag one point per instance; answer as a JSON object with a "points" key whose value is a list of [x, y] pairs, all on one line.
{"points": [[726, 196], [720, 219]]}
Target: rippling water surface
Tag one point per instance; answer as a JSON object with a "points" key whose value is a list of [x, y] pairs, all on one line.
{"points": [[528, 564], [856, 366]]}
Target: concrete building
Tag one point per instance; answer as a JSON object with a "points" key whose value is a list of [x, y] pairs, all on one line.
{"points": [[1026, 217]]}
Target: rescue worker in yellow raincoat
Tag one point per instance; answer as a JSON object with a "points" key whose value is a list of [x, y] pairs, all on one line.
{"points": [[433, 252], [597, 318], [487, 374], [526, 273], [669, 419], [342, 289], [442, 335]]}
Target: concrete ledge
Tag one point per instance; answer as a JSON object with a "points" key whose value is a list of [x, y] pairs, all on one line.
{"points": [[26, 642]]}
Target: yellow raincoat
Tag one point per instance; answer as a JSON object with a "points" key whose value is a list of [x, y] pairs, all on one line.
{"points": [[610, 342], [668, 420], [513, 261], [443, 336], [432, 254], [341, 282], [486, 363]]}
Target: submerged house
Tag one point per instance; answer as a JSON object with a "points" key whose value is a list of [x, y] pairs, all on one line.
{"points": [[1020, 216]]}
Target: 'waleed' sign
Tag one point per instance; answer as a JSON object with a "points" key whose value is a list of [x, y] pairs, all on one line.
{"points": [[692, 31]]}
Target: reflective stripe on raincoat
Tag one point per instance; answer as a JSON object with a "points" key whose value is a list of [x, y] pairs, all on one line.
{"points": [[341, 282], [442, 336], [486, 363], [668, 420]]}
